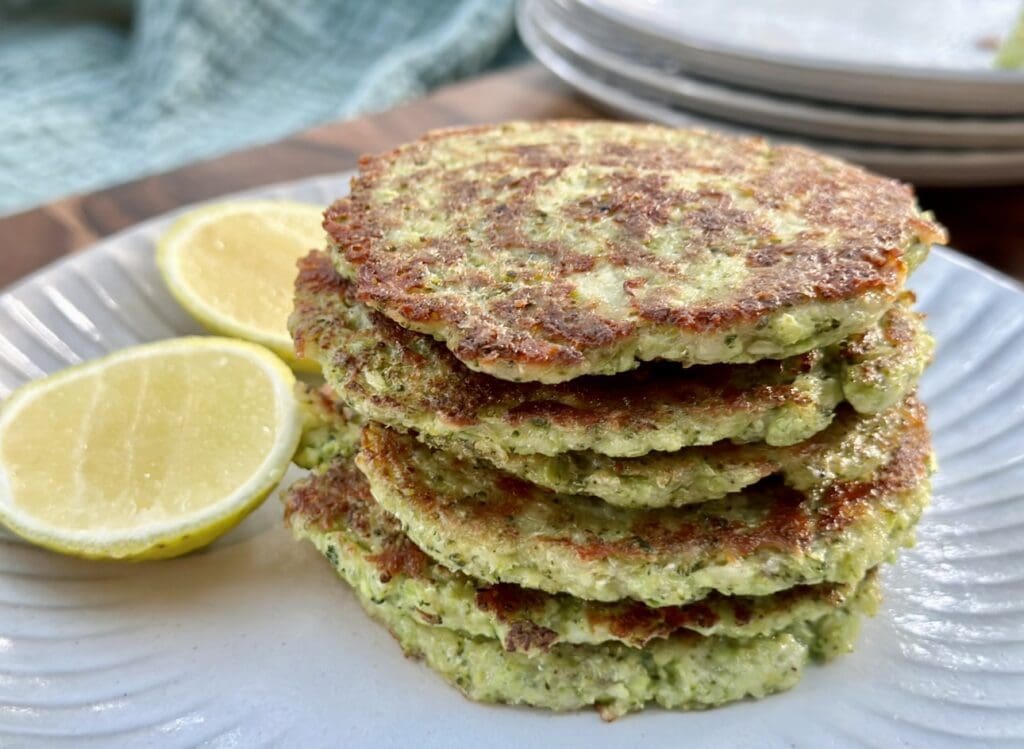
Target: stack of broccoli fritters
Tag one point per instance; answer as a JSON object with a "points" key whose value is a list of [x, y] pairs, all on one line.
{"points": [[615, 413]]}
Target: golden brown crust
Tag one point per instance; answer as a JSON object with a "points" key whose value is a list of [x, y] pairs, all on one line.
{"points": [[501, 282], [620, 403], [636, 622], [402, 557], [341, 495], [339, 498], [524, 636], [774, 517], [509, 602], [407, 379]]}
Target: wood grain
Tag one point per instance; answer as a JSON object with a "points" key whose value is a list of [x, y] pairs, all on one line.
{"points": [[988, 223]]}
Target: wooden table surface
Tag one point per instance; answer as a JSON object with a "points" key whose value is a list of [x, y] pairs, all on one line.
{"points": [[985, 222]]}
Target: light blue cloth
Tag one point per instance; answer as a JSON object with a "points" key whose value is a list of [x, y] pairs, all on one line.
{"points": [[98, 92]]}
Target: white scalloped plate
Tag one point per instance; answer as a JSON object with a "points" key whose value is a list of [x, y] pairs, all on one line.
{"points": [[606, 48], [629, 98], [899, 54], [254, 642]]}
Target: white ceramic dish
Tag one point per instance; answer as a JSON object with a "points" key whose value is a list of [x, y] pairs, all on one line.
{"points": [[912, 54], [624, 97], [615, 54], [254, 642]]}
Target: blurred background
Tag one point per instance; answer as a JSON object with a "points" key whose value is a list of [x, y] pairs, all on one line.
{"points": [[97, 92]]}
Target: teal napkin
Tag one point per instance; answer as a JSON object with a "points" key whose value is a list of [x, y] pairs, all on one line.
{"points": [[98, 92]]}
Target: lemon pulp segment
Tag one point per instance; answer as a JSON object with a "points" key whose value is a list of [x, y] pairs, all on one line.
{"points": [[235, 271], [147, 443], [232, 266]]}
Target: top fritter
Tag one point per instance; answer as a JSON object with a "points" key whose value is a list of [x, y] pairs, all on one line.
{"points": [[546, 251]]}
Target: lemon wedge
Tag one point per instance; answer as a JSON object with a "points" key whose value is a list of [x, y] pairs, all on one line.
{"points": [[232, 266], [149, 452]]}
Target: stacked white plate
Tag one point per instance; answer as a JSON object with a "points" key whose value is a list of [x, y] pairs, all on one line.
{"points": [[906, 87]]}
